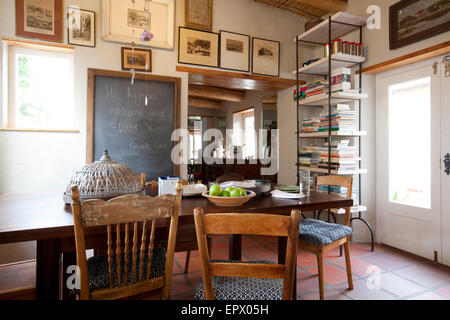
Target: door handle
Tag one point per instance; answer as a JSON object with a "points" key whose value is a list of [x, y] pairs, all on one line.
{"points": [[447, 163]]}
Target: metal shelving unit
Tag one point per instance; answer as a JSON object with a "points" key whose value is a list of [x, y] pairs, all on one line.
{"points": [[334, 27]]}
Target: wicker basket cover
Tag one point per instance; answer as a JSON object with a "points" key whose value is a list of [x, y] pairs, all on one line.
{"points": [[102, 179]]}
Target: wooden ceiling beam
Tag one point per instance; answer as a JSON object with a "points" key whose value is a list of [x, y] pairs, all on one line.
{"points": [[272, 99], [328, 5], [216, 93], [270, 106], [205, 104]]}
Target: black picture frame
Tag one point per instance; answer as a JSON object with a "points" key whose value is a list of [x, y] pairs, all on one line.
{"points": [[278, 60], [94, 36], [395, 41], [249, 51], [216, 65]]}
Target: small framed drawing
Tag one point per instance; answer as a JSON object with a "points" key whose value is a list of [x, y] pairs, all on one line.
{"points": [[81, 27], [198, 14], [40, 19], [266, 57], [234, 51], [139, 59], [198, 47]]}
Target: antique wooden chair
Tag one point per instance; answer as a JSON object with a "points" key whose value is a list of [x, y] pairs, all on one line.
{"points": [[319, 237], [136, 267], [237, 280]]}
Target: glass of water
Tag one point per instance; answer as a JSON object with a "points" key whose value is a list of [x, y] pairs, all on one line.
{"points": [[305, 182]]}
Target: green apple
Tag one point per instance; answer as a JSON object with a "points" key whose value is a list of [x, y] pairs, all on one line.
{"points": [[215, 190], [225, 194], [242, 192], [235, 193], [229, 189]]}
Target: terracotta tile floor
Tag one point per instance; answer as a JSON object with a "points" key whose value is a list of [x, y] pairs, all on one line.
{"points": [[384, 274]]}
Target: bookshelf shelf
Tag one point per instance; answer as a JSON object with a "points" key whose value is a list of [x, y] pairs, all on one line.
{"points": [[334, 27], [321, 100], [338, 60], [335, 172], [342, 23]]}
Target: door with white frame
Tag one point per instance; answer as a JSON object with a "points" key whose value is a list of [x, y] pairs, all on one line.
{"points": [[413, 190]]}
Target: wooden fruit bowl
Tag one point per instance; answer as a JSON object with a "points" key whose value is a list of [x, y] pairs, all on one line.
{"points": [[229, 201]]}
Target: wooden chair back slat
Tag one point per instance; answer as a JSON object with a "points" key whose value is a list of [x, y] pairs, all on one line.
{"points": [[150, 248], [251, 224], [134, 258], [127, 251], [118, 215], [243, 223], [110, 256], [340, 181], [118, 256]]}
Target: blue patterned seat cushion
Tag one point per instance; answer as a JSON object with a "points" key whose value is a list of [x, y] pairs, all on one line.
{"points": [[235, 288], [321, 233], [99, 274]]}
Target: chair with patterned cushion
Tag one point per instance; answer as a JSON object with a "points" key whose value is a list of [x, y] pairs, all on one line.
{"points": [[132, 267], [319, 237], [249, 280]]}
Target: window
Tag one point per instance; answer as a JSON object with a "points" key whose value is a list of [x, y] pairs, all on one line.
{"points": [[244, 132], [40, 87]]}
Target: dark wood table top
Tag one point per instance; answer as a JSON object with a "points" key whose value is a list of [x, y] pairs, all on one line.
{"points": [[27, 217]]}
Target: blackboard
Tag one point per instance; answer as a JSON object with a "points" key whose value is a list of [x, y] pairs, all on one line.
{"points": [[135, 134]]}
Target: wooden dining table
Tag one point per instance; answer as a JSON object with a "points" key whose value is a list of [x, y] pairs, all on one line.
{"points": [[45, 218]]}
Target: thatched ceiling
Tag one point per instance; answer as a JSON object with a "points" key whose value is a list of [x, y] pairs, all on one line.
{"points": [[310, 9]]}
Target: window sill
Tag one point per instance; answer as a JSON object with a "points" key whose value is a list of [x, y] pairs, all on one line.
{"points": [[41, 130]]}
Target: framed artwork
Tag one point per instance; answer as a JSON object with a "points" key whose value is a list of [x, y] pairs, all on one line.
{"points": [[139, 60], [40, 19], [266, 57], [81, 27], [414, 20], [198, 47], [234, 51], [124, 21], [198, 14]]}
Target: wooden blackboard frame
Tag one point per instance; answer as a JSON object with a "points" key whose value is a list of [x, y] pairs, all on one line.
{"points": [[90, 113]]}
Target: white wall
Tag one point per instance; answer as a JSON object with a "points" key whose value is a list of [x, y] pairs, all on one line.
{"points": [[32, 162]]}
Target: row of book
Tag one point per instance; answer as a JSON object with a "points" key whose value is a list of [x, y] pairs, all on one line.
{"points": [[342, 157], [342, 191], [343, 118]]}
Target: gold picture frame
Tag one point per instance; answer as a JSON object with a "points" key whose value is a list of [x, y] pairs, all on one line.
{"points": [[136, 59], [198, 14]]}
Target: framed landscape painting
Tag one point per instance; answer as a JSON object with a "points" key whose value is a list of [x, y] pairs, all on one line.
{"points": [[198, 47], [40, 19], [81, 27], [266, 57], [414, 20], [137, 59], [234, 51]]}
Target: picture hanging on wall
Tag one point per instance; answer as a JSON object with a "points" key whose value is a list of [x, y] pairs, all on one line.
{"points": [[414, 20], [234, 51], [137, 59], [125, 21], [81, 27], [198, 47], [40, 19], [198, 14], [266, 57]]}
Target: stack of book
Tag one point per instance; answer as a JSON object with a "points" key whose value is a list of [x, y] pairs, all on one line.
{"points": [[343, 156], [309, 156], [341, 79], [342, 119], [310, 124], [314, 88]]}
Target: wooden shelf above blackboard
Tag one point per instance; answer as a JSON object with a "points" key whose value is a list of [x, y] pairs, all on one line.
{"points": [[235, 80]]}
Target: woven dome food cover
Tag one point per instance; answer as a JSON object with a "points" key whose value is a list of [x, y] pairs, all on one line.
{"points": [[104, 178]]}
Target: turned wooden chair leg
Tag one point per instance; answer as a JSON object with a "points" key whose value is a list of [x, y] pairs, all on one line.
{"points": [[348, 264], [320, 269], [186, 264]]}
